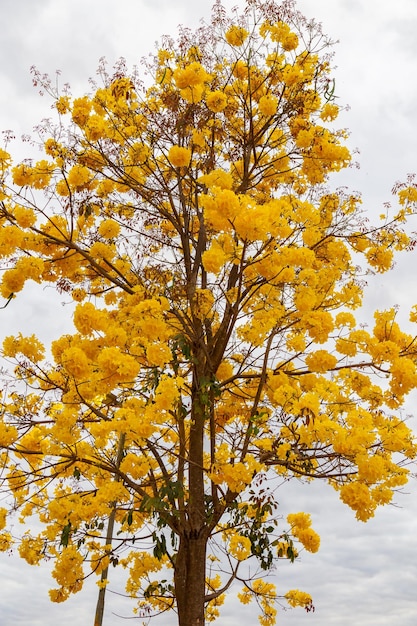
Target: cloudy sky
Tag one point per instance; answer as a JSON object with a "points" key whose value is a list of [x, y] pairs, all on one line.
{"points": [[363, 574]]}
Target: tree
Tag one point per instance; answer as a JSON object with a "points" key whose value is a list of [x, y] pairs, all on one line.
{"points": [[214, 274]]}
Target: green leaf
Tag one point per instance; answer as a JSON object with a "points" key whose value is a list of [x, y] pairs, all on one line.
{"points": [[65, 535]]}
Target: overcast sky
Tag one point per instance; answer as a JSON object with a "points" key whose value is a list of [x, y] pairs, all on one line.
{"points": [[363, 574]]}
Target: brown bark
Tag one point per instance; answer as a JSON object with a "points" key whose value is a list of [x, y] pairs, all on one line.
{"points": [[189, 580], [190, 563]]}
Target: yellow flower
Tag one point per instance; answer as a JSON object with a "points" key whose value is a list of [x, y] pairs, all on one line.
{"points": [[358, 497], [58, 595], [236, 35], [190, 76], [139, 153], [286, 550], [217, 178], [78, 294], [6, 541], [203, 302], [68, 570], [62, 188], [3, 514], [221, 207], [105, 187], [12, 282], [214, 258], [158, 354], [4, 157], [380, 258], [279, 31], [295, 597], [193, 94], [109, 229], [22, 175], [31, 267], [268, 105], [309, 538], [41, 174], [224, 371], [95, 128], [407, 195], [121, 88], [87, 318], [30, 347], [11, 237], [289, 42], [345, 319], [179, 156], [166, 393], [329, 112], [240, 547], [216, 101], [79, 177], [113, 362], [320, 361], [245, 596], [63, 105], [240, 69], [24, 217], [31, 549], [81, 111], [199, 138], [76, 362], [299, 520], [403, 375]]}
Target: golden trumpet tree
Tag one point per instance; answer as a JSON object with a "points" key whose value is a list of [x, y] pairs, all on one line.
{"points": [[214, 275]]}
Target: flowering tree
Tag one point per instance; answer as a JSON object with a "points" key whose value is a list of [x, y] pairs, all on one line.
{"points": [[214, 275]]}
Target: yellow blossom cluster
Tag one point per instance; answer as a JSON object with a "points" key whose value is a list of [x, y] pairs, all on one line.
{"points": [[301, 529], [6, 541], [213, 279], [191, 81], [31, 549], [295, 597], [179, 156], [3, 515], [212, 612], [236, 475], [240, 547], [141, 564], [37, 176], [266, 595], [236, 35], [68, 573]]}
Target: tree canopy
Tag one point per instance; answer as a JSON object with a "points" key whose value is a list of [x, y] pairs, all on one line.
{"points": [[186, 209]]}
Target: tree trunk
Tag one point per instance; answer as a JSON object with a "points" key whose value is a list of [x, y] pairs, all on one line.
{"points": [[189, 580], [190, 564]]}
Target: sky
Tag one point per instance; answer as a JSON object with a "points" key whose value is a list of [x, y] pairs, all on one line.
{"points": [[364, 573]]}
